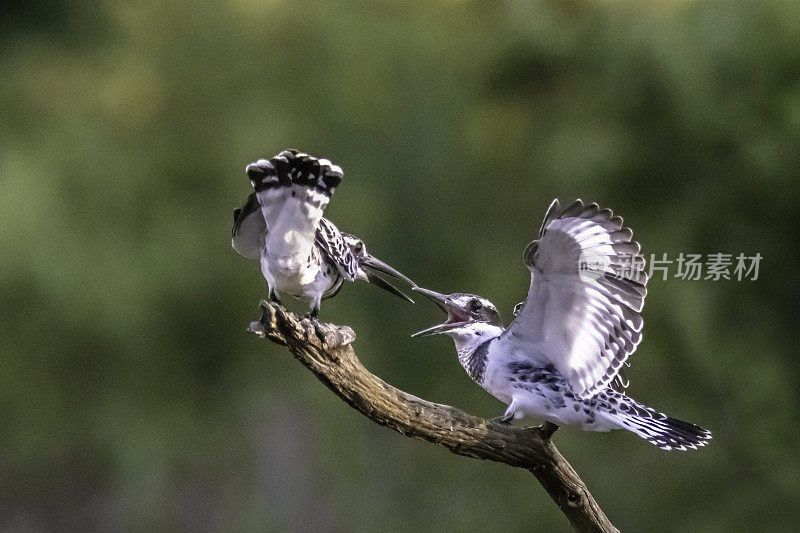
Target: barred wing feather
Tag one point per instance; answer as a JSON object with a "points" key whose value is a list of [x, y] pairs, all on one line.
{"points": [[332, 244], [582, 312]]}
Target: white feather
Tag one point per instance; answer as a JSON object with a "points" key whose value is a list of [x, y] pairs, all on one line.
{"points": [[585, 325]]}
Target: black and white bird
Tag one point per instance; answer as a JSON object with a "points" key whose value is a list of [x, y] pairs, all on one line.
{"points": [[578, 325], [302, 254]]}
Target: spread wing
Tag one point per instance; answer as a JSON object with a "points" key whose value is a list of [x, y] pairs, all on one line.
{"points": [[587, 290], [334, 248], [249, 229]]}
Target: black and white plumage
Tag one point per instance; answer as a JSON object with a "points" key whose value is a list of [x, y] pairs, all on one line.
{"points": [[568, 341], [587, 290], [302, 254]]}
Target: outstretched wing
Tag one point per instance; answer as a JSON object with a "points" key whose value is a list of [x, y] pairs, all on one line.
{"points": [[249, 229], [334, 248], [587, 290]]}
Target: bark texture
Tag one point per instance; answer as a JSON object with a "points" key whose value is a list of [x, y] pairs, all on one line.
{"points": [[326, 351]]}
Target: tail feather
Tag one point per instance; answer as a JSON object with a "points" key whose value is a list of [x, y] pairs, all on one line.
{"points": [[291, 167], [669, 433], [656, 428], [293, 190]]}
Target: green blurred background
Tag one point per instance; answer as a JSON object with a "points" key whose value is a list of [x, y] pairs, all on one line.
{"points": [[131, 396]]}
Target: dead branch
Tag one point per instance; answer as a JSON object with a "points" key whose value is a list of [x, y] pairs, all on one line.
{"points": [[326, 350]]}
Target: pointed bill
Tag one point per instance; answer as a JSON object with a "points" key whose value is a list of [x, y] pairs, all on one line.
{"points": [[436, 297], [446, 305], [385, 285], [374, 263], [435, 330]]}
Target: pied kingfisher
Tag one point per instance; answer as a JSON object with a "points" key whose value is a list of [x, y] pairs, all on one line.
{"points": [[302, 254], [579, 323]]}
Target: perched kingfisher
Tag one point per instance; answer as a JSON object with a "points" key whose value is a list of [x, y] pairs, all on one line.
{"points": [[302, 254], [578, 325]]}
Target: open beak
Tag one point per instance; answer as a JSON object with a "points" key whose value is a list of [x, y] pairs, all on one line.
{"points": [[372, 266], [456, 316]]}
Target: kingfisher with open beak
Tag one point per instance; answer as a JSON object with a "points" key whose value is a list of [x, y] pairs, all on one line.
{"points": [[302, 254], [579, 324]]}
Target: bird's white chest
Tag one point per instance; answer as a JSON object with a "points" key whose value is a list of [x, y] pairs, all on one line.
{"points": [[536, 391], [502, 383], [495, 379]]}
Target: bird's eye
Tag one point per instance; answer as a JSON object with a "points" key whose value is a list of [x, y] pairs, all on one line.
{"points": [[475, 305], [359, 246]]}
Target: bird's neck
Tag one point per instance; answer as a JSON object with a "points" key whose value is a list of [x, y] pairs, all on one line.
{"points": [[470, 337], [472, 343]]}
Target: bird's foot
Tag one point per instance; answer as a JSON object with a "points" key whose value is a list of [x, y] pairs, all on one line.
{"points": [[505, 419], [272, 297], [280, 326]]}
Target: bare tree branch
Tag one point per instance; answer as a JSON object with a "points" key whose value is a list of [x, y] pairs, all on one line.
{"points": [[326, 351]]}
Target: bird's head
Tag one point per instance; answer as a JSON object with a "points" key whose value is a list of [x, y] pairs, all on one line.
{"points": [[369, 267], [356, 245], [467, 315], [369, 261]]}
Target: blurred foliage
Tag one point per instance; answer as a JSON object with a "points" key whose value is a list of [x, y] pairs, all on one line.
{"points": [[131, 397]]}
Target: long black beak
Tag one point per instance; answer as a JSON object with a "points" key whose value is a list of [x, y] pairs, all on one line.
{"points": [[436, 297], [441, 300], [372, 266], [376, 264]]}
